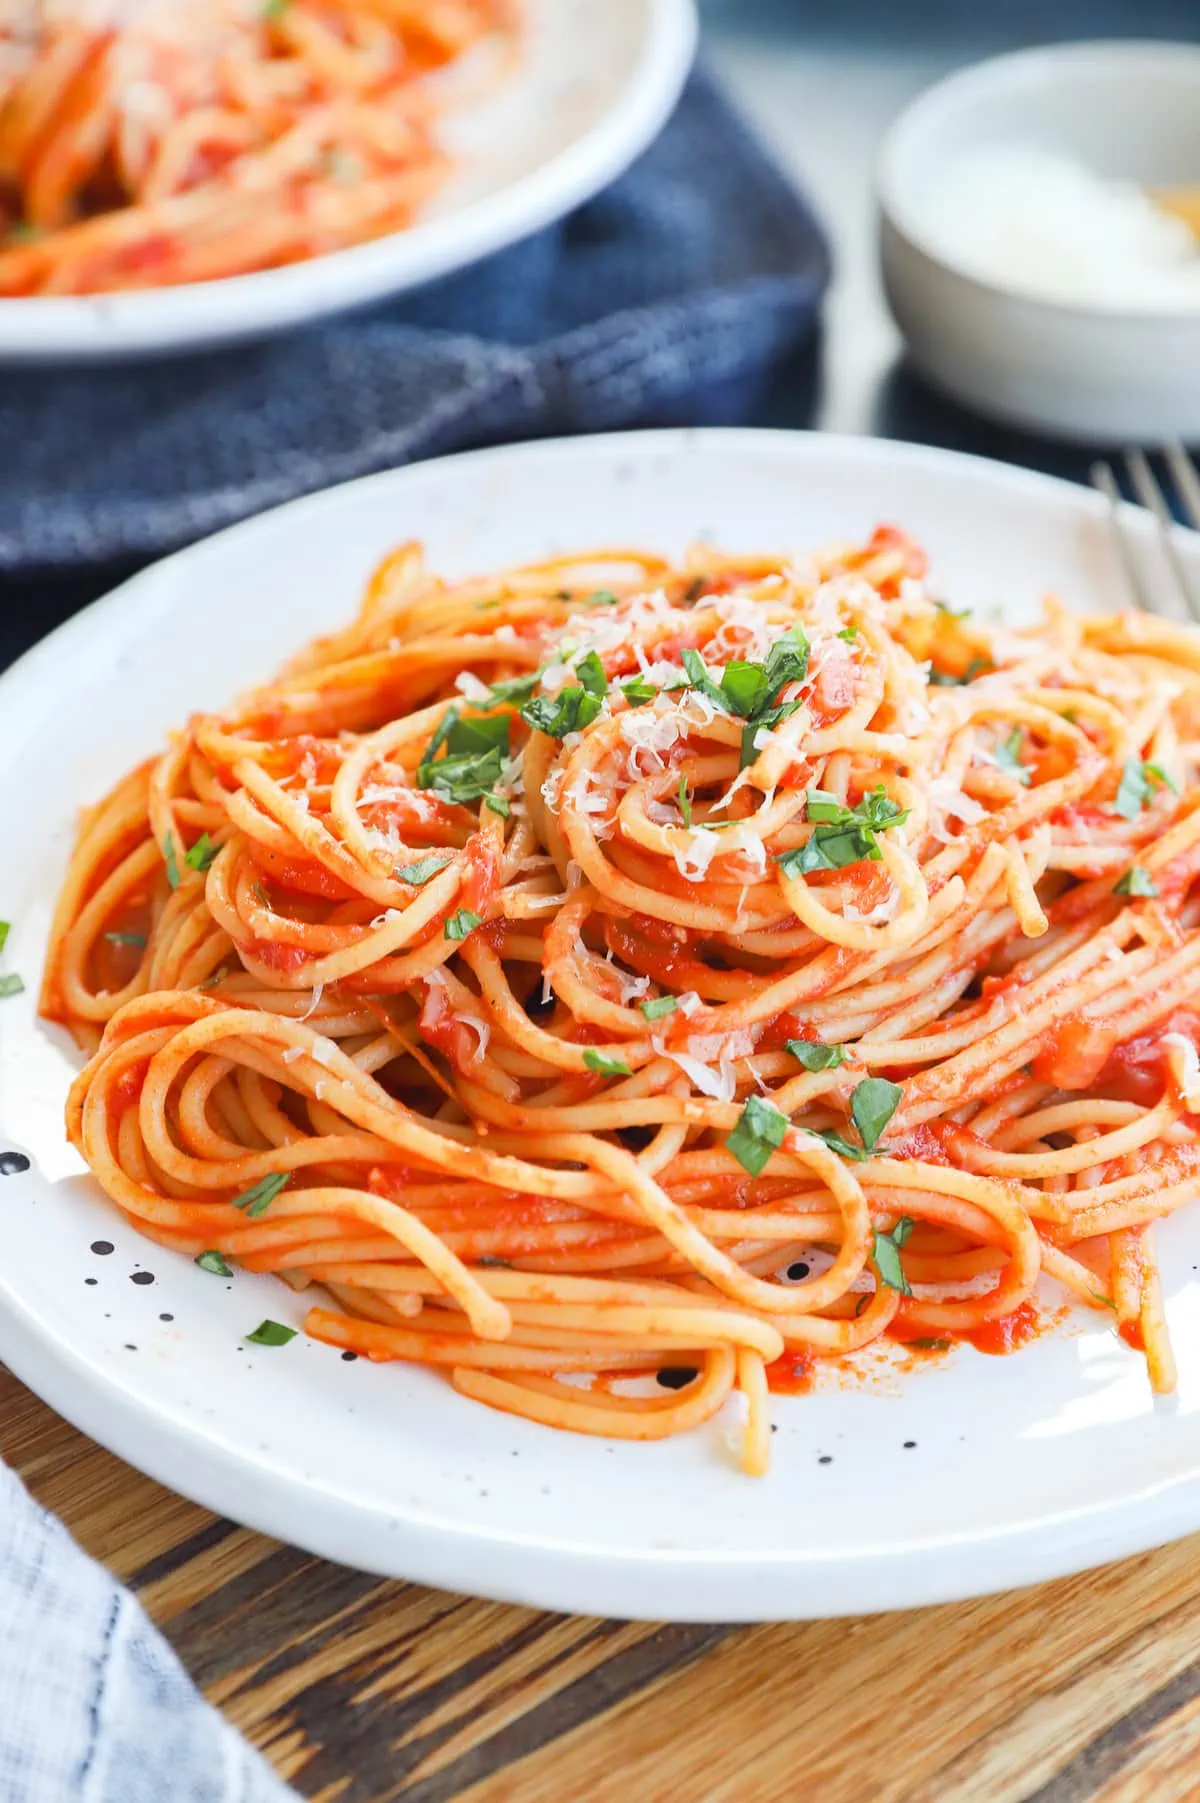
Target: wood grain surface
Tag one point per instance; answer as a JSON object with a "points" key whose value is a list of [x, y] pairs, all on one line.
{"points": [[362, 1691]]}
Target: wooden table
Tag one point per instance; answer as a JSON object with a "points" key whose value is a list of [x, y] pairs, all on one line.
{"points": [[361, 1691]]}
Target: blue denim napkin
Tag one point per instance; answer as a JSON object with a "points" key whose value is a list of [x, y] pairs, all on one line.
{"points": [[671, 298]]}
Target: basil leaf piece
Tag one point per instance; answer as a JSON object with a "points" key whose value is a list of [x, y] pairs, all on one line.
{"points": [[699, 678], [570, 710], [849, 633], [685, 801], [602, 597], [499, 804], [462, 923], [872, 1104], [604, 1066], [202, 853], [172, 866], [886, 1254], [637, 689], [1136, 881], [841, 1146], [422, 870], [942, 679], [787, 661], [11, 984], [759, 1132], [1138, 783], [590, 672], [1161, 776], [515, 688], [825, 809], [1007, 759], [1134, 790], [816, 1057], [744, 687], [475, 752], [271, 1333], [5, 929], [658, 1006], [768, 719], [134, 939], [258, 1198], [212, 1261], [830, 848]]}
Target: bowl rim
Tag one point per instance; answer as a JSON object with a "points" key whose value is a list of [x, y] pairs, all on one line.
{"points": [[923, 112]]}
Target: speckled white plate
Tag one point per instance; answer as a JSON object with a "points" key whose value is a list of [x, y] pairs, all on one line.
{"points": [[970, 1475], [591, 88]]}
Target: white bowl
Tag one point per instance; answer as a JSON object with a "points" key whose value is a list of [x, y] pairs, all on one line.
{"points": [[1077, 370]]}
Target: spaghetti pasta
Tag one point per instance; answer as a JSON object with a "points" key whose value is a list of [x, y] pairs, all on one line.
{"points": [[620, 984], [146, 143]]}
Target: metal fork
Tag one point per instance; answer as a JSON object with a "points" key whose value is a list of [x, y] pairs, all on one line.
{"points": [[1149, 492]]}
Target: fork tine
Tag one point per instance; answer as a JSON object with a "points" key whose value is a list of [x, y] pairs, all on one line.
{"points": [[1105, 482], [1186, 478], [1151, 496]]}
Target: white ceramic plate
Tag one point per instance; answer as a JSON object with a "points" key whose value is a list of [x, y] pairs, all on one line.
{"points": [[969, 1476], [593, 86]]}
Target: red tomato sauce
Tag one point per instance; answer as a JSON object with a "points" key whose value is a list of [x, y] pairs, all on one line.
{"points": [[1008, 1333], [792, 1374]]}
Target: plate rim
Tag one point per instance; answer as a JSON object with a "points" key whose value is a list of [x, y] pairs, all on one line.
{"points": [[645, 1582], [197, 316]]}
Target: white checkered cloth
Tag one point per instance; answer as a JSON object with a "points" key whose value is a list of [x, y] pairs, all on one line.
{"points": [[94, 1706]]}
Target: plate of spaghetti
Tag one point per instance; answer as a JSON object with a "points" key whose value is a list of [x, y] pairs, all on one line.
{"points": [[561, 1083], [174, 174]]}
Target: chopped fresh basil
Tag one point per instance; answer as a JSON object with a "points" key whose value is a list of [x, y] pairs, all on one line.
{"points": [[422, 870], [1138, 783], [602, 597], [660, 1005], [749, 690], [932, 1345], [685, 801], [135, 939], [842, 835], [604, 1066], [212, 1261], [258, 1198], [849, 633], [462, 923], [570, 710], [1007, 759], [886, 1254], [202, 853], [815, 1057], [872, 1105], [953, 613], [837, 1143], [274, 9], [11, 984], [1160, 775], [590, 672], [271, 1333], [638, 689], [514, 688], [759, 1132], [172, 866], [5, 929], [475, 749], [944, 680], [498, 804], [1136, 881]]}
